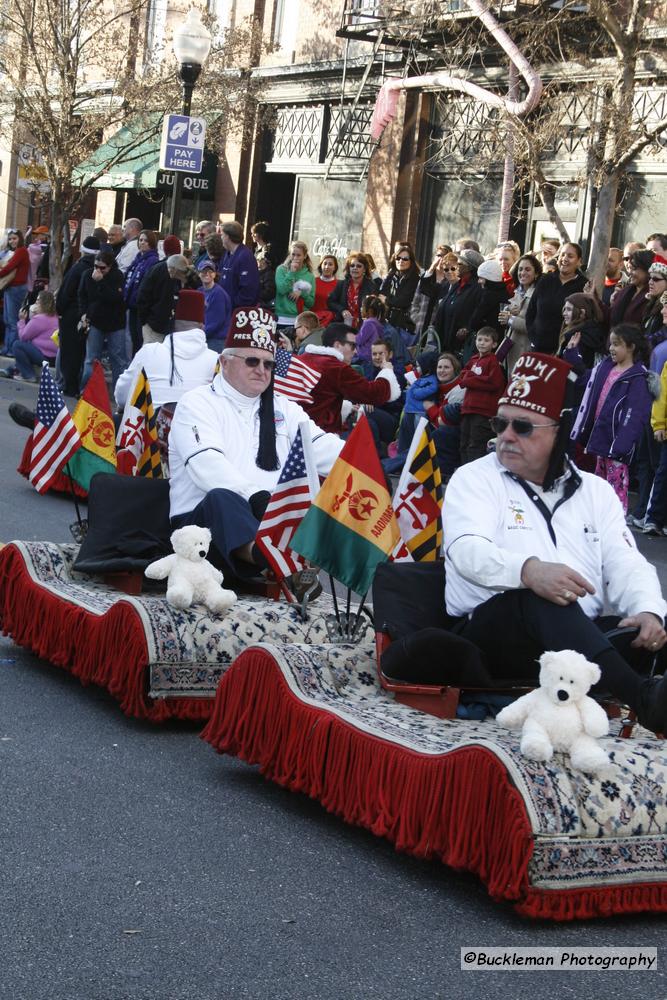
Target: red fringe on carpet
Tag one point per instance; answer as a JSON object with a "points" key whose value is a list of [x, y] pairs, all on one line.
{"points": [[108, 650], [60, 484], [461, 807]]}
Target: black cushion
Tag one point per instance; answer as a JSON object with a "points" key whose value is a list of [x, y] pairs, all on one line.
{"points": [[128, 524], [409, 596]]}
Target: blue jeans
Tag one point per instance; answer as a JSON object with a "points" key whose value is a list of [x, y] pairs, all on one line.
{"points": [[116, 344], [27, 355], [13, 296]]}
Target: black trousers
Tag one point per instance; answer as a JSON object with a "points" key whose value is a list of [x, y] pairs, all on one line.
{"points": [[233, 522], [514, 628]]}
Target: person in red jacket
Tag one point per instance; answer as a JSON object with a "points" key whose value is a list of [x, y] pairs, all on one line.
{"points": [[483, 380], [15, 291], [339, 381]]}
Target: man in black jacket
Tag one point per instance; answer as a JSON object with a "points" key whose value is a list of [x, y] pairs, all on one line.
{"points": [[158, 295], [73, 340]]}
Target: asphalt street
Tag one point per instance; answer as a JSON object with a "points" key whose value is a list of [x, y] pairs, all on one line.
{"points": [[137, 864]]}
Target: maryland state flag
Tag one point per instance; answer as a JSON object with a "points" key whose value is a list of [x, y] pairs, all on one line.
{"points": [[418, 500], [351, 526], [137, 441], [94, 423]]}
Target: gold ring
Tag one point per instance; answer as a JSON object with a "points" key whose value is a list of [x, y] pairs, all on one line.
{"points": [[567, 595]]}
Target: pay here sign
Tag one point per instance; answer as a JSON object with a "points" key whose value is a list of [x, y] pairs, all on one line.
{"points": [[182, 146]]}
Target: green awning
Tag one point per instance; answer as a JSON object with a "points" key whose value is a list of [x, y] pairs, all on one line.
{"points": [[137, 169]]}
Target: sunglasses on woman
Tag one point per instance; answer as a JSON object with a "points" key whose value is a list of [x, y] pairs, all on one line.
{"points": [[522, 428], [403, 258], [101, 267], [268, 364]]}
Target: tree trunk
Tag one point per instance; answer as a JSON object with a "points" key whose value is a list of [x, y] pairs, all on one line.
{"points": [[605, 210], [59, 249], [546, 194]]}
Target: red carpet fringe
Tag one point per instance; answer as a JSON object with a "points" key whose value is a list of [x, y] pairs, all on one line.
{"points": [[461, 808], [60, 484], [108, 650]]}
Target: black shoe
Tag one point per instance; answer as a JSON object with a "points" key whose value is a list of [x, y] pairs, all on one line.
{"points": [[652, 707], [22, 416]]}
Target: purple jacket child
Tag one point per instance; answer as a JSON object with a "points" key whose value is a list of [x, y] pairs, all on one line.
{"points": [[616, 431]]}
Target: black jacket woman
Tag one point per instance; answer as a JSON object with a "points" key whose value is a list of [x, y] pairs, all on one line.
{"points": [[72, 340], [452, 319], [493, 298], [103, 310], [398, 290], [347, 298]]}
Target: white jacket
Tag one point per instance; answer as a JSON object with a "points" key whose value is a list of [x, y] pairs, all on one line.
{"points": [[491, 526], [127, 254], [193, 361], [214, 439]]}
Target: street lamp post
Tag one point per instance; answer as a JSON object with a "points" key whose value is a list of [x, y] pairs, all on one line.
{"points": [[192, 44]]}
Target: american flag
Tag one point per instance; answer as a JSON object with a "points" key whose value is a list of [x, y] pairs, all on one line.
{"points": [[55, 437], [294, 378], [292, 497]]}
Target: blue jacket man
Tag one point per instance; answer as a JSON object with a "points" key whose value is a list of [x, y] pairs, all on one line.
{"points": [[239, 275]]}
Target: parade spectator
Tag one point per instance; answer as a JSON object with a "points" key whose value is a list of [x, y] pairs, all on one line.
{"points": [[203, 229], [488, 307], [543, 317], [372, 328], [18, 267], [259, 233], [614, 274], [466, 243], [397, 292], [616, 407], [549, 250], [146, 258], [325, 282], [295, 286], [347, 298], [103, 312], [628, 251], [339, 382], [629, 304], [267, 282], [35, 252], [445, 415], [536, 552], [130, 249], [307, 330], [36, 328], [507, 255], [582, 314], [158, 293], [214, 250], [383, 418], [655, 522], [181, 362], [116, 239], [484, 381], [657, 286], [657, 242], [228, 446], [459, 302], [434, 284], [423, 389], [218, 310], [513, 315], [71, 336], [238, 275]]}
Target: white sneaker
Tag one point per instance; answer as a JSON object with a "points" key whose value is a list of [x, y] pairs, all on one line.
{"points": [[636, 522], [651, 529]]}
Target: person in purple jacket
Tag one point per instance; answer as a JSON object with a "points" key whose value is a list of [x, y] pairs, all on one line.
{"points": [[616, 406], [239, 275], [34, 344], [218, 309]]}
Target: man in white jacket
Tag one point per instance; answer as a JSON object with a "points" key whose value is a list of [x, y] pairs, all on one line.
{"points": [[181, 362], [229, 442], [537, 552]]}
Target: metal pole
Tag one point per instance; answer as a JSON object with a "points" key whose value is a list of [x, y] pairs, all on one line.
{"points": [[189, 74]]}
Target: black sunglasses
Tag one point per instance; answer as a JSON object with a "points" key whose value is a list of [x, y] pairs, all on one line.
{"points": [[402, 258], [101, 266], [522, 428], [269, 365]]}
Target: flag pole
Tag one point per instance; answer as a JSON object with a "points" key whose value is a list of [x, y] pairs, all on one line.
{"points": [[332, 584], [347, 612]]}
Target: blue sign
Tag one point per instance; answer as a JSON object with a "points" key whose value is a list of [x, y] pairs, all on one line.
{"points": [[182, 146]]}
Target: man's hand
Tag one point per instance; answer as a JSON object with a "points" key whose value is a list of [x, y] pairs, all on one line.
{"points": [[555, 582], [659, 435], [285, 342], [428, 403], [651, 636]]}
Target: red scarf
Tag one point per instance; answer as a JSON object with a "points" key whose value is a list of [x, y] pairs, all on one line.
{"points": [[509, 283]]}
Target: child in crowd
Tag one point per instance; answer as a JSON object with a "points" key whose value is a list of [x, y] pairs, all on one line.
{"points": [[616, 405], [373, 313], [425, 387], [483, 380], [445, 415], [583, 314]]}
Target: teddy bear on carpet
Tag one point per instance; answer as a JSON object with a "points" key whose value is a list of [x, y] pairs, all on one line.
{"points": [[559, 715], [190, 578]]}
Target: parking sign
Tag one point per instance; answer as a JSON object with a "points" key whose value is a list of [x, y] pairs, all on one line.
{"points": [[182, 146]]}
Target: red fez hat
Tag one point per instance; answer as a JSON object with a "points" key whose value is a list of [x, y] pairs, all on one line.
{"points": [[252, 326], [190, 306], [538, 384]]}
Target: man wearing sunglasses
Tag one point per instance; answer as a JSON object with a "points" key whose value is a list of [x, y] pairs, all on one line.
{"points": [[537, 552], [229, 442]]}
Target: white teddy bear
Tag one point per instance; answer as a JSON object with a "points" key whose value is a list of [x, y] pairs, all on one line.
{"points": [[559, 715], [190, 578]]}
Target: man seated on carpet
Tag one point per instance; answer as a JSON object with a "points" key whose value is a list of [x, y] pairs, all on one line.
{"points": [[339, 381], [229, 441], [537, 551]]}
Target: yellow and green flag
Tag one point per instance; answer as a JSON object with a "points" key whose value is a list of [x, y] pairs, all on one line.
{"points": [[92, 417], [351, 526]]}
